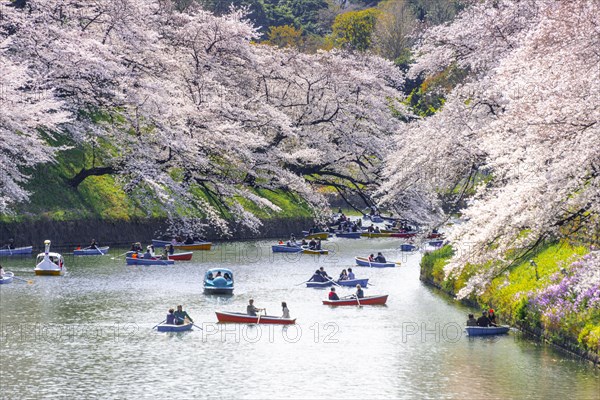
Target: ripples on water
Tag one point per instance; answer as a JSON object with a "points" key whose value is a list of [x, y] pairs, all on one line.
{"points": [[89, 334]]}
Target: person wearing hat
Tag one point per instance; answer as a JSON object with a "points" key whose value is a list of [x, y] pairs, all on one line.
{"points": [[492, 317], [333, 295], [483, 321]]}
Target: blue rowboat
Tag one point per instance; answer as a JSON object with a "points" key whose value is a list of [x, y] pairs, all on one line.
{"points": [[282, 248], [364, 262], [436, 243], [7, 278], [486, 331], [174, 328], [100, 251], [148, 261], [407, 247], [215, 283], [349, 235], [18, 250], [350, 283]]}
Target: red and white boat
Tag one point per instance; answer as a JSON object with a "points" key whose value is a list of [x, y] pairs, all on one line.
{"points": [[241, 318], [365, 301], [187, 256]]}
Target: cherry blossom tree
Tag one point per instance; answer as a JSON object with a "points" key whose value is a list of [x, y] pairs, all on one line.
{"points": [[523, 127]]}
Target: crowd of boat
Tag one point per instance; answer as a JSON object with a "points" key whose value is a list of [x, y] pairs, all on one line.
{"points": [[220, 281]]}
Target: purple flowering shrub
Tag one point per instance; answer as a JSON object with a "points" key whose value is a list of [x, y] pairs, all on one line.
{"points": [[572, 300]]}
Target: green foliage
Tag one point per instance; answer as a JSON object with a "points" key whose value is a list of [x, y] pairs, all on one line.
{"points": [[354, 29], [284, 36]]}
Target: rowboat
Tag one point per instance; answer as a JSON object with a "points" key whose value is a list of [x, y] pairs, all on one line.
{"points": [[48, 263], [375, 235], [316, 235], [147, 261], [15, 251], [405, 235], [174, 328], [187, 256], [182, 245], [240, 318], [485, 331], [91, 252], [306, 250], [364, 262], [347, 282], [218, 281], [349, 235], [7, 278], [365, 301], [407, 247], [282, 248], [436, 243]]}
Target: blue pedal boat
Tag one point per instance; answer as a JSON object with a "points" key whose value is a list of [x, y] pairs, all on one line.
{"points": [[486, 331], [407, 247], [348, 282], [218, 281], [174, 328]]}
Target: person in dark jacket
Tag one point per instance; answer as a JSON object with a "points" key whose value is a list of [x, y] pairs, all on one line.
{"points": [[483, 321], [471, 321], [181, 315], [332, 294], [492, 317], [324, 275], [380, 258], [317, 277]]}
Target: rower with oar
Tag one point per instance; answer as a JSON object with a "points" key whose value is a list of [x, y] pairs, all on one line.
{"points": [[180, 316]]}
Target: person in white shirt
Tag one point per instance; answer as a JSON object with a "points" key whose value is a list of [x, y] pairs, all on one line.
{"points": [[286, 311]]}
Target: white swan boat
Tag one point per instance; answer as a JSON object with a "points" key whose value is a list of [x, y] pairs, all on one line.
{"points": [[48, 263]]}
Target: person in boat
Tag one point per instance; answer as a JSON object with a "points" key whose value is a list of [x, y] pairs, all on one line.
{"points": [[11, 244], [251, 310], [377, 230], [354, 228], [148, 254], [285, 310], [351, 276], [312, 244], [371, 228], [170, 248], [380, 258], [343, 275], [93, 245], [492, 317], [304, 242], [174, 241], [189, 240], [181, 315], [359, 223], [318, 245], [317, 277], [471, 321], [219, 275], [371, 258], [171, 317], [484, 320], [133, 247], [359, 292], [210, 276], [324, 274], [332, 294], [227, 276]]}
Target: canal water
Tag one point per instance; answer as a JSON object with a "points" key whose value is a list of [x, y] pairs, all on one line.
{"points": [[89, 334]]}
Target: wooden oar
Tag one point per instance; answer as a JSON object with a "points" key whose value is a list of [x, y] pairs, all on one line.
{"points": [[164, 320], [120, 255], [24, 280], [302, 283], [334, 282], [258, 321], [357, 300]]}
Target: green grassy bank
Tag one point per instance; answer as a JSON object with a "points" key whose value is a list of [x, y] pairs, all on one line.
{"points": [[512, 295]]}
